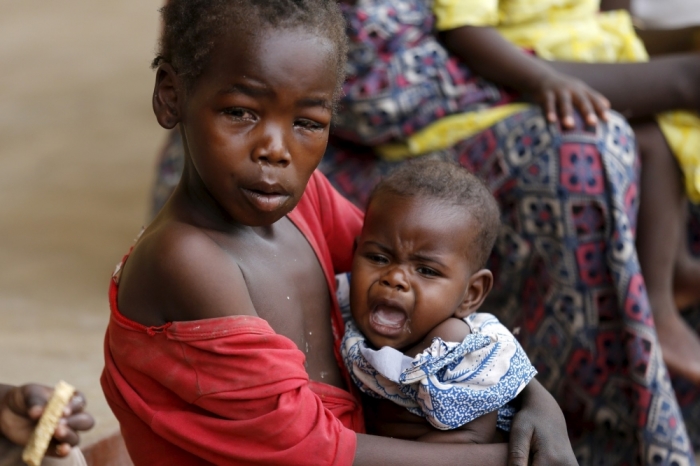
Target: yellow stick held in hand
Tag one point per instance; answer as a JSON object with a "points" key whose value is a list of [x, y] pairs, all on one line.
{"points": [[43, 432]]}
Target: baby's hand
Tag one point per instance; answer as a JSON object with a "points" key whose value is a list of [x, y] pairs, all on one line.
{"points": [[21, 408], [558, 93]]}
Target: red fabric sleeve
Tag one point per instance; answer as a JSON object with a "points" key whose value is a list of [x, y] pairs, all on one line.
{"points": [[342, 223], [226, 391]]}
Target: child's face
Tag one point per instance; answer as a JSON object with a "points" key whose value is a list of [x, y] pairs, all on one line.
{"points": [[411, 269], [256, 122]]}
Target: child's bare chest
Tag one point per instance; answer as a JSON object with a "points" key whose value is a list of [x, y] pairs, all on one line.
{"points": [[289, 290]]}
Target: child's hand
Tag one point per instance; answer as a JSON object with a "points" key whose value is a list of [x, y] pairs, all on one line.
{"points": [[558, 94], [21, 408], [539, 431]]}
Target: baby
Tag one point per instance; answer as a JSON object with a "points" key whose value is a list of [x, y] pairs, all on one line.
{"points": [[418, 278]]}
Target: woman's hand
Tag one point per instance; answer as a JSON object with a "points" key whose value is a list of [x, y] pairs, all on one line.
{"points": [[559, 94], [539, 431], [21, 408], [489, 55]]}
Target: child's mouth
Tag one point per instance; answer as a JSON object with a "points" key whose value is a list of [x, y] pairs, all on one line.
{"points": [[265, 201], [387, 320]]}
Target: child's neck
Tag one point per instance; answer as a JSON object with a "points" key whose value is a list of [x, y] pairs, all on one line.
{"points": [[200, 206]]}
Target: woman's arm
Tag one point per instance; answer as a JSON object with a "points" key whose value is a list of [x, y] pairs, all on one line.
{"points": [[491, 56], [607, 5]]}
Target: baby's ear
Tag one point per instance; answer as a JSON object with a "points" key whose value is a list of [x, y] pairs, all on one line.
{"points": [[480, 283], [165, 96]]}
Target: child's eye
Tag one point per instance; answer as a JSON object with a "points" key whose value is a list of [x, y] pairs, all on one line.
{"points": [[376, 258], [240, 114], [309, 125], [428, 272]]}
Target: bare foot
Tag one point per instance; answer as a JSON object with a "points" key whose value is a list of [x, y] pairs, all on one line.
{"points": [[686, 281], [680, 346]]}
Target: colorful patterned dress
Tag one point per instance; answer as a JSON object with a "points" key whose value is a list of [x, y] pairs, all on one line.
{"points": [[565, 263]]}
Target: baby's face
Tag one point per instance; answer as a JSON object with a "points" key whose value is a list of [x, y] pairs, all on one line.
{"points": [[256, 122], [411, 268]]}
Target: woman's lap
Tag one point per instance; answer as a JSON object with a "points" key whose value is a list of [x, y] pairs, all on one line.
{"points": [[568, 277]]}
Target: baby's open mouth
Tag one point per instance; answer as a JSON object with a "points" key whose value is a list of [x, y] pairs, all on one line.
{"points": [[387, 320]]}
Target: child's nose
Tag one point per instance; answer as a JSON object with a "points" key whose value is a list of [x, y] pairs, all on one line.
{"points": [[395, 278], [270, 148]]}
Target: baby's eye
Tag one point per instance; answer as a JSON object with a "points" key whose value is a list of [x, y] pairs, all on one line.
{"points": [[242, 114], [427, 271], [309, 125]]}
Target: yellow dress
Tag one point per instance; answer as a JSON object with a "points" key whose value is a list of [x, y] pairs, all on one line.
{"points": [[569, 30]]}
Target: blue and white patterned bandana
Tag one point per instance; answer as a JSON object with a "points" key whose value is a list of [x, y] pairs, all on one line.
{"points": [[450, 384]]}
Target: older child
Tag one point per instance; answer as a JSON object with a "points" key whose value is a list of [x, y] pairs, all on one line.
{"points": [[418, 278], [220, 347]]}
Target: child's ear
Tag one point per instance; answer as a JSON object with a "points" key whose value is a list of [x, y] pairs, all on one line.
{"points": [[165, 96], [478, 288]]}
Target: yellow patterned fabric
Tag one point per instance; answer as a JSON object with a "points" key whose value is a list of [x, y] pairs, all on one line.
{"points": [[682, 132], [448, 131], [570, 30]]}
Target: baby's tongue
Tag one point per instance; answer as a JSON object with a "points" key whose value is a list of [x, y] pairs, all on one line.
{"points": [[389, 317]]}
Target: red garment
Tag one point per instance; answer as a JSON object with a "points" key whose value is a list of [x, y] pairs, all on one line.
{"points": [[229, 390]]}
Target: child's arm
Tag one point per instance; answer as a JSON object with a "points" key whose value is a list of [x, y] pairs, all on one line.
{"points": [[481, 429], [382, 451], [539, 430], [489, 55]]}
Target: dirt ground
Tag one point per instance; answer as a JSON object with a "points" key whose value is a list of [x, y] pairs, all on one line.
{"points": [[77, 146]]}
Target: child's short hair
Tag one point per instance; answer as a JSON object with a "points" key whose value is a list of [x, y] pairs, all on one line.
{"points": [[190, 28], [438, 179]]}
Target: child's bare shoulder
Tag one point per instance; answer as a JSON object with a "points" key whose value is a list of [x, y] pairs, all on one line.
{"points": [[178, 272]]}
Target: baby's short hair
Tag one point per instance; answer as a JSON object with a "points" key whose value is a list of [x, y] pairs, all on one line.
{"points": [[435, 178], [191, 27]]}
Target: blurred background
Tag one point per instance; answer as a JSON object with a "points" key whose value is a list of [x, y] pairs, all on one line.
{"points": [[78, 142]]}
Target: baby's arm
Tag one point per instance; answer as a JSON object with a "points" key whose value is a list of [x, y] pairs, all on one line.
{"points": [[481, 429], [491, 56], [452, 329]]}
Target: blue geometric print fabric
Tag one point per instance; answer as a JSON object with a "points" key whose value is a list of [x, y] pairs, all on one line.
{"points": [[450, 384]]}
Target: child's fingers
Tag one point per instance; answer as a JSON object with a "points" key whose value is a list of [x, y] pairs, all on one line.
{"points": [[80, 421], [77, 403], [32, 400], [64, 434], [57, 449], [566, 109], [519, 445]]}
